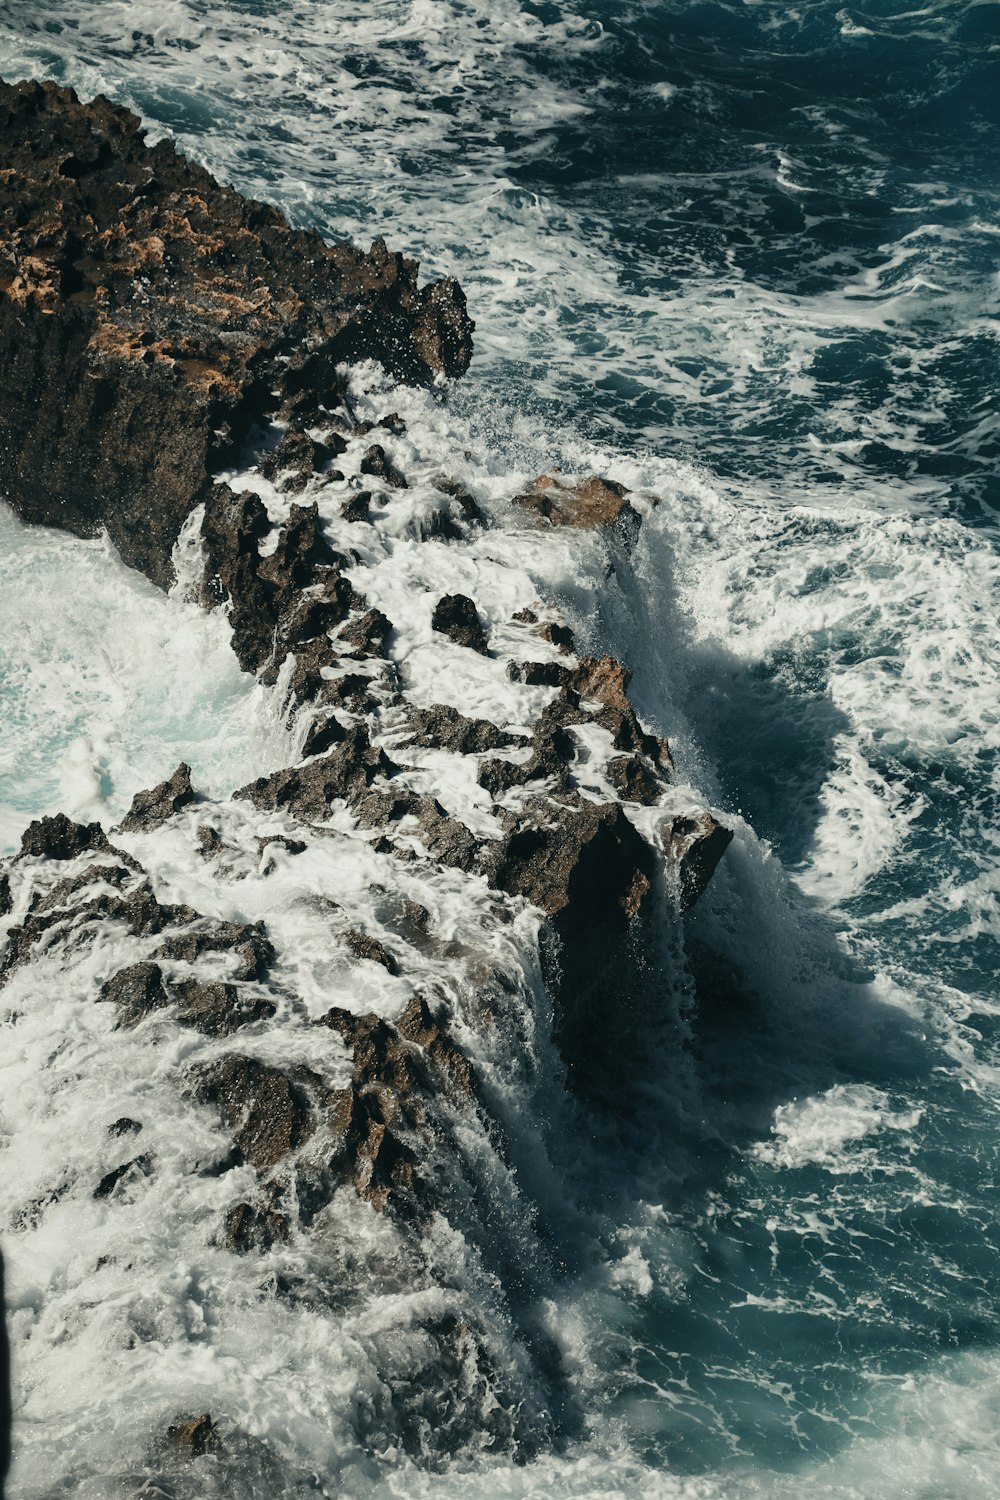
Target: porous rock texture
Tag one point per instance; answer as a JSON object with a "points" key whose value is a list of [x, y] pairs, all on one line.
{"points": [[148, 318]]}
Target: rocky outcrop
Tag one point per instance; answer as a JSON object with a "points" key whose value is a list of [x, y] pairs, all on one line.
{"points": [[151, 808], [561, 501], [148, 317]]}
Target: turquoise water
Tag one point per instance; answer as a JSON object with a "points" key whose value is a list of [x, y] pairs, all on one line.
{"points": [[745, 255]]}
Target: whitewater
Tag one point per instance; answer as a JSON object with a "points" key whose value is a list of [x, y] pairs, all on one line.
{"points": [[742, 258]]}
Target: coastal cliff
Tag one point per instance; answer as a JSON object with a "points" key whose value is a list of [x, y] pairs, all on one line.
{"points": [[177, 371]]}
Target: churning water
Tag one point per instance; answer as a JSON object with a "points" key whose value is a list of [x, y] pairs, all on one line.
{"points": [[744, 256]]}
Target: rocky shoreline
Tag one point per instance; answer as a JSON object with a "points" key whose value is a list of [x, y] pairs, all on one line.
{"points": [[175, 373]]}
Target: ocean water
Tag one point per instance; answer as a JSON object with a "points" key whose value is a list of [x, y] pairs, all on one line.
{"points": [[744, 257]]}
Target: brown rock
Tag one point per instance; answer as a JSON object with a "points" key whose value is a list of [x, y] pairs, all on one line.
{"points": [[697, 844], [362, 945], [588, 503], [268, 1113], [441, 727], [146, 319], [194, 1436], [247, 1228]]}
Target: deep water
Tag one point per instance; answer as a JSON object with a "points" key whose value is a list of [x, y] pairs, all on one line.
{"points": [[744, 256]]}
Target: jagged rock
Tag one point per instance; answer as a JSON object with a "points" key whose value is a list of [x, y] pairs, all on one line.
{"points": [[248, 941], [390, 1099], [308, 790], [558, 635], [362, 945], [129, 1171], [135, 992], [633, 780], [368, 634], [392, 422], [470, 510], [194, 1436], [606, 680], [60, 838], [210, 841], [231, 529], [377, 463], [322, 734], [584, 502], [697, 844], [357, 507], [456, 616], [591, 872], [152, 808], [300, 457], [74, 904], [267, 1111], [147, 315], [446, 839], [540, 673], [218, 1009], [247, 1228], [302, 551], [124, 1126], [6, 899], [441, 727], [498, 776], [553, 749], [418, 1025]]}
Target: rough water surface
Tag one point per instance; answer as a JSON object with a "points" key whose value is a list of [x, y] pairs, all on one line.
{"points": [[741, 257]]}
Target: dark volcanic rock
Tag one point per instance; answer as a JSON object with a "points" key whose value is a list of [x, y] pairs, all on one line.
{"points": [[456, 616], [362, 945], [84, 902], [248, 942], [357, 507], [368, 634], [148, 317], [441, 727], [6, 899], [386, 1109], [130, 1171], [247, 1228], [61, 838], [378, 465], [135, 992], [218, 1009], [697, 844], [151, 808], [633, 780], [591, 872]]}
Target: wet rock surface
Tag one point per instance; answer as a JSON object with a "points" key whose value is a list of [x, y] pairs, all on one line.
{"points": [[151, 808], [564, 809], [456, 616], [140, 349]]}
